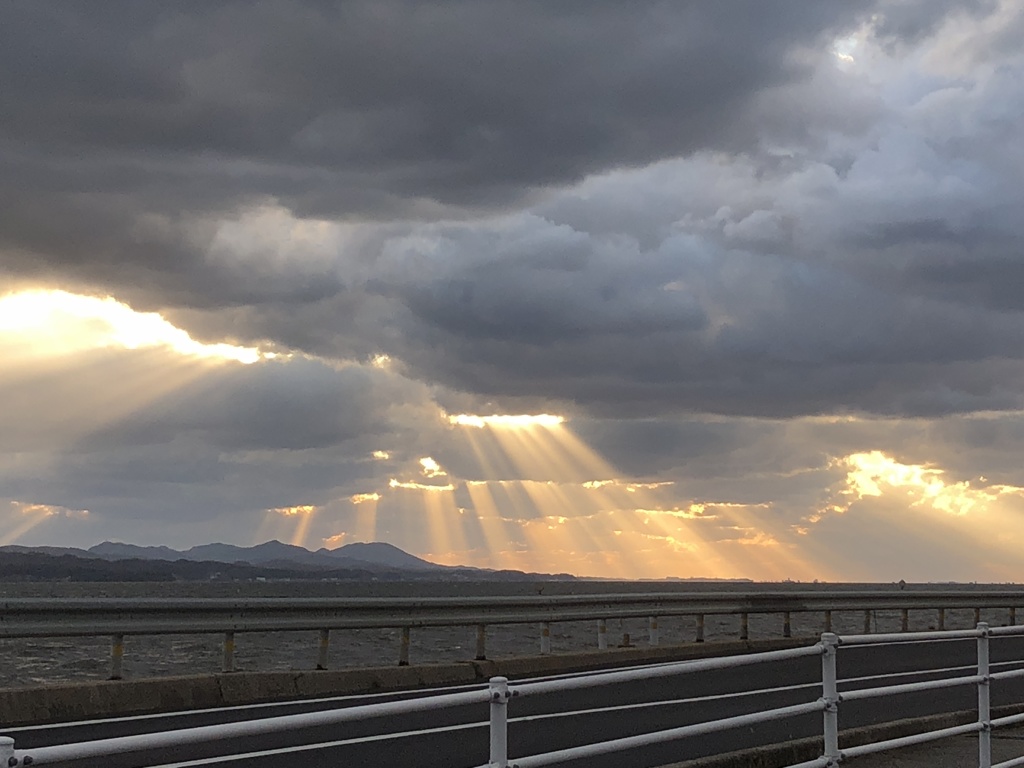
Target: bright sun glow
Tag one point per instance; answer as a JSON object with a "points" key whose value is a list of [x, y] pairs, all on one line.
{"points": [[431, 468], [506, 421], [58, 322], [874, 473], [844, 48]]}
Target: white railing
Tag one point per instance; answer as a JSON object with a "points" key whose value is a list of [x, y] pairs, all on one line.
{"points": [[500, 692], [85, 750], [828, 704], [121, 617]]}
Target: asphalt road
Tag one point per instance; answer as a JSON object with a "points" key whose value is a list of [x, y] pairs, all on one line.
{"points": [[458, 737]]}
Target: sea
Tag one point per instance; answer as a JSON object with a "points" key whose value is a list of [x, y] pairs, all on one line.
{"points": [[42, 661]]}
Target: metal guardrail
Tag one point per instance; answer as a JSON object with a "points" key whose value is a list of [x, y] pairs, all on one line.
{"points": [[500, 692], [121, 617], [828, 704]]}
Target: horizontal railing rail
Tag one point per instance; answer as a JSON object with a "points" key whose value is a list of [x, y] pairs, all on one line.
{"points": [[499, 692], [67, 617], [146, 741], [121, 617]]}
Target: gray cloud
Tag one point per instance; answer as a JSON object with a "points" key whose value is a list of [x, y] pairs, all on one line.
{"points": [[773, 282], [123, 122]]}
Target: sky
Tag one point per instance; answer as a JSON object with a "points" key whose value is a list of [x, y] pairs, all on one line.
{"points": [[629, 290]]}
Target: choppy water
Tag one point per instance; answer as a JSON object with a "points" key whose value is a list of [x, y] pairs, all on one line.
{"points": [[40, 661]]}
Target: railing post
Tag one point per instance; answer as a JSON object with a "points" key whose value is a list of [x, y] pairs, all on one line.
{"points": [[481, 642], [602, 634], [977, 616], [323, 648], [942, 618], [403, 648], [700, 628], [116, 656], [545, 637], [905, 620], [229, 652], [984, 710], [1013, 616], [7, 751], [830, 697], [652, 625], [828, 621], [867, 622], [787, 625], [744, 627], [499, 722]]}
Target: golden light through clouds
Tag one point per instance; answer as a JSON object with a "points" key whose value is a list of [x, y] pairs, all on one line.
{"points": [[28, 515], [917, 503], [534, 495], [79, 363], [509, 421], [540, 499], [537, 497], [58, 322]]}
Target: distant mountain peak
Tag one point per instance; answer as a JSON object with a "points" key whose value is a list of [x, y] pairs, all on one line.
{"points": [[374, 554], [116, 550], [382, 553]]}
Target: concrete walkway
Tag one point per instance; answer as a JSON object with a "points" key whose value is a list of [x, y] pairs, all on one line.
{"points": [[955, 752]]}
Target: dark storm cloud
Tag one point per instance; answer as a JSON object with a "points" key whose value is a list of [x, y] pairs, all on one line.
{"points": [[488, 93], [689, 326], [826, 244], [123, 122]]}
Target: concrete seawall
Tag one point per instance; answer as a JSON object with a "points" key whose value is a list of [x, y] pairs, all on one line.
{"points": [[81, 701]]}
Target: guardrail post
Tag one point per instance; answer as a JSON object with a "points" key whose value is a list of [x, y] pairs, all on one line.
{"points": [[481, 642], [545, 637], [654, 635], [942, 618], [867, 622], [904, 620], [7, 751], [1013, 617], [787, 625], [323, 648], [744, 627], [977, 616], [602, 634], [700, 628], [499, 722], [984, 711], [116, 656], [828, 621], [229, 652], [830, 697], [403, 648]]}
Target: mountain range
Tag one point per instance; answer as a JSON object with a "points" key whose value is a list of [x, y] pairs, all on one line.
{"points": [[368, 555], [116, 561]]}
